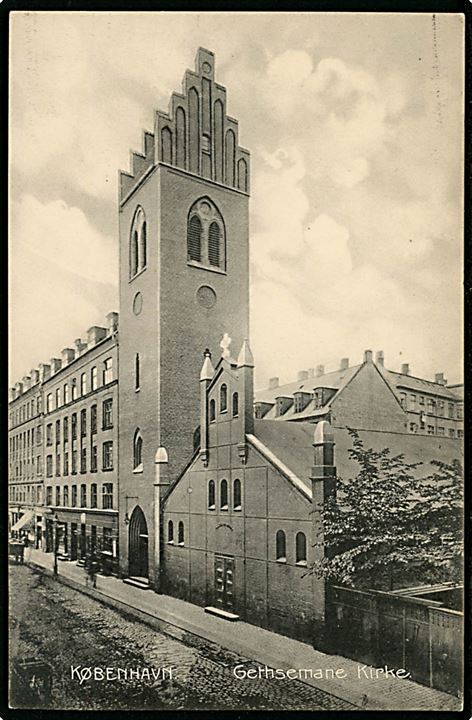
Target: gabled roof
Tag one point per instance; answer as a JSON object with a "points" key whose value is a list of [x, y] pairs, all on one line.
{"points": [[409, 382], [334, 380], [292, 445]]}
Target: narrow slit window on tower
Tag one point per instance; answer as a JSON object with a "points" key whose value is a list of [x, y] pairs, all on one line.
{"points": [[138, 451], [214, 245], [134, 253], [194, 239], [136, 372], [143, 247]]}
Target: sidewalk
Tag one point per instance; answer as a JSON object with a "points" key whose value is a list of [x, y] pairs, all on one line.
{"points": [[265, 648]]}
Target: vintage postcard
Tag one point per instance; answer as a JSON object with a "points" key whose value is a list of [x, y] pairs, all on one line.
{"points": [[236, 390]]}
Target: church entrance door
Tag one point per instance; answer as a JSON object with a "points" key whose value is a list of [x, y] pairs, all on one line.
{"points": [[138, 544], [224, 582]]}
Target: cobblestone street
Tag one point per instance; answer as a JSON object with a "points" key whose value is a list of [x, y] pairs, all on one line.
{"points": [[52, 622]]}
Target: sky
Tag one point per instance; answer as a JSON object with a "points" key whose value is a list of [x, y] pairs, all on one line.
{"points": [[355, 127]]}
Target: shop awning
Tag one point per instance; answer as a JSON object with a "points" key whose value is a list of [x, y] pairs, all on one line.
{"points": [[24, 520]]}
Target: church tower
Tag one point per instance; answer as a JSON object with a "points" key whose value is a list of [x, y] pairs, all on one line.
{"points": [[184, 283]]}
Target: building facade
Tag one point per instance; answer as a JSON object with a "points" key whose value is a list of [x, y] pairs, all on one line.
{"points": [[367, 397]]}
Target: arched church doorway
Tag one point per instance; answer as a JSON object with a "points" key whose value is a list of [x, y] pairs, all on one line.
{"points": [[138, 544]]}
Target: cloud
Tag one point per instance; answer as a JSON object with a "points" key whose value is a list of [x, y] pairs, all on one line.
{"points": [[64, 237]]}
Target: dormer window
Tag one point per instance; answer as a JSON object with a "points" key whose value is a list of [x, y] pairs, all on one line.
{"points": [[138, 243], [206, 236]]}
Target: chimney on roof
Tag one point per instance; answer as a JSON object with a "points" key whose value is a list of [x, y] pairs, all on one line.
{"points": [[26, 383], [405, 369], [80, 346], [11, 394], [67, 356], [112, 318], [440, 379], [302, 375], [95, 334], [368, 356], [344, 363], [379, 358], [34, 376], [311, 372], [273, 383], [55, 365], [19, 388], [319, 370], [44, 371]]}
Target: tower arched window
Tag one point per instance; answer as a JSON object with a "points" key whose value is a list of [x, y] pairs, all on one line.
{"points": [[212, 410], [280, 546], [211, 495], [224, 495], [138, 451], [206, 238], [137, 372], [223, 398], [235, 404], [170, 532], [138, 243], [181, 533], [214, 244], [300, 548], [237, 494]]}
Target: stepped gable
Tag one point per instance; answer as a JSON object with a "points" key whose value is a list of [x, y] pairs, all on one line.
{"points": [[196, 135]]}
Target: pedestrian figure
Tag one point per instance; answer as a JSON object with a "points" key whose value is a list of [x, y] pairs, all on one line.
{"points": [[26, 543], [92, 573]]}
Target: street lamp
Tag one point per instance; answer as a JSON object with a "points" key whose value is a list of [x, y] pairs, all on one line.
{"points": [[54, 522]]}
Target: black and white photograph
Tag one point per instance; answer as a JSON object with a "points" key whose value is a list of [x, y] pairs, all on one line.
{"points": [[235, 412]]}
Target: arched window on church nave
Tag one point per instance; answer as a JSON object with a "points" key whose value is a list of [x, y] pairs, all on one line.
{"points": [[223, 398], [137, 451], [237, 494], [224, 495], [211, 495], [138, 243], [180, 533], [206, 237], [300, 548], [212, 410], [280, 546], [170, 532], [235, 404]]}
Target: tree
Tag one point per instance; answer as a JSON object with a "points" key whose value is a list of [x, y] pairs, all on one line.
{"points": [[389, 525]]}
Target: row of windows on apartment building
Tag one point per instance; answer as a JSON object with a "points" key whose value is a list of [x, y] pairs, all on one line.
{"points": [[224, 403], [280, 543], [441, 431], [26, 468], [107, 423], [26, 494], [433, 407], [107, 460], [27, 411], [23, 442], [71, 392], [79, 497]]}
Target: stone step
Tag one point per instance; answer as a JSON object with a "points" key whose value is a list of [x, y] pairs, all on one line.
{"points": [[219, 612], [139, 582]]}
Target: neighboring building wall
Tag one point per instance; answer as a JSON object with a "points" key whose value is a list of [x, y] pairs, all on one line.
{"points": [[25, 470], [81, 450], [173, 305], [368, 403]]}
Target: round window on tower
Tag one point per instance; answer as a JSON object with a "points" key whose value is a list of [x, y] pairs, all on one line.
{"points": [[206, 297], [137, 303]]}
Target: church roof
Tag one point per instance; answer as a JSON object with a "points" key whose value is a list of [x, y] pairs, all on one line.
{"points": [[292, 446]]}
